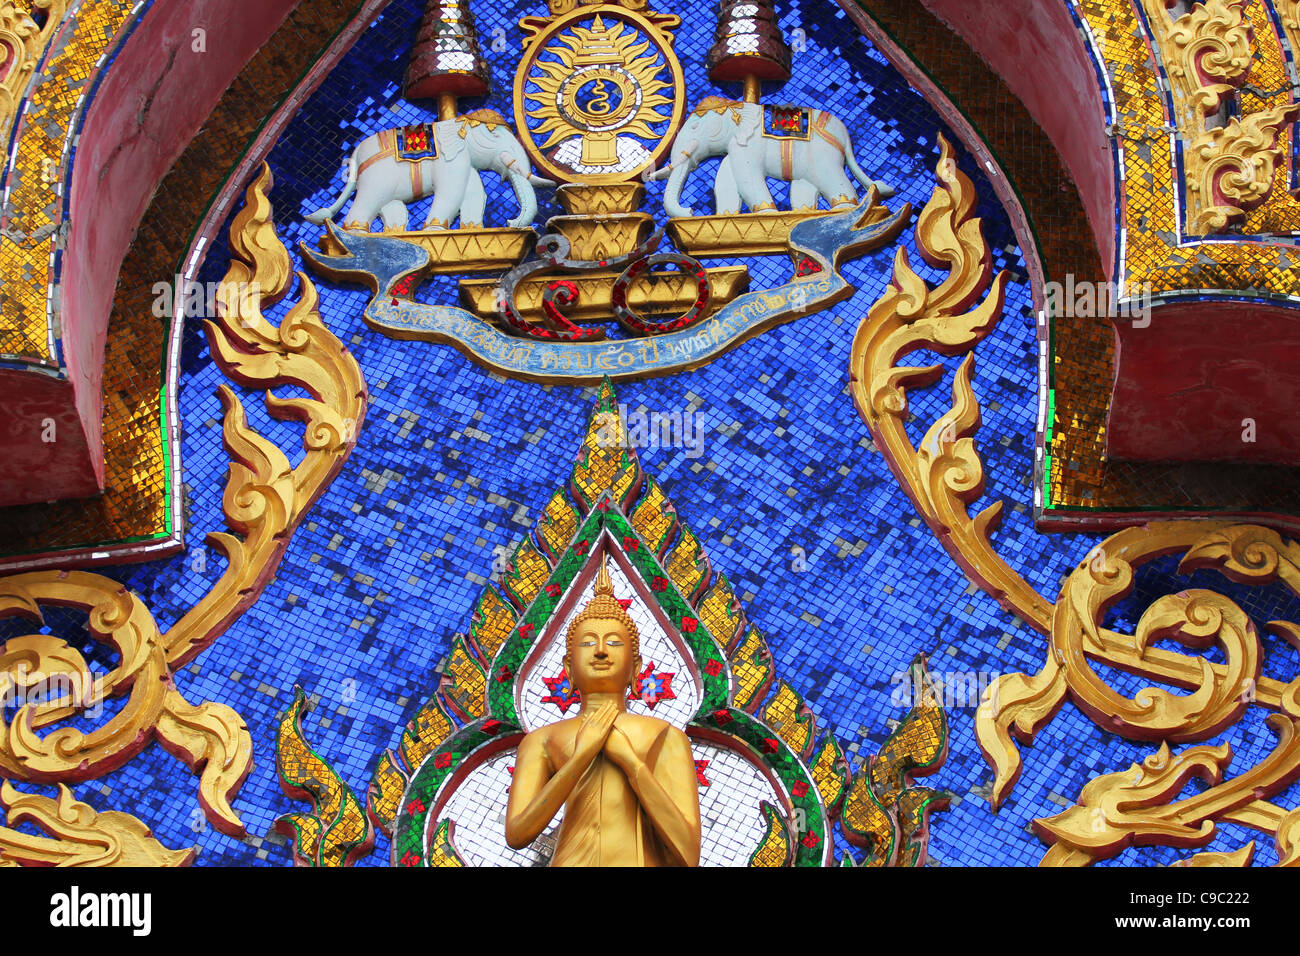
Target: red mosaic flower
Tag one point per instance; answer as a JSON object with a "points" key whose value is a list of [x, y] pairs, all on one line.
{"points": [[800, 789], [504, 674], [553, 590], [770, 746], [409, 859], [699, 772], [659, 583], [651, 687], [689, 624], [811, 840], [722, 717], [415, 806], [582, 546], [631, 544], [442, 761], [713, 668], [562, 694]]}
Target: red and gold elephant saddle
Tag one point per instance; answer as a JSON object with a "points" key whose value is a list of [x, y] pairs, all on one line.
{"points": [[785, 122], [415, 143]]}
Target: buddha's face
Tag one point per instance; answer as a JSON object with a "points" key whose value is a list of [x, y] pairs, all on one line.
{"points": [[600, 656]]}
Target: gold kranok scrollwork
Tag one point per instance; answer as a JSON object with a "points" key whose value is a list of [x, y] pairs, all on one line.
{"points": [[944, 476], [1207, 53], [1230, 169], [265, 499], [78, 834]]}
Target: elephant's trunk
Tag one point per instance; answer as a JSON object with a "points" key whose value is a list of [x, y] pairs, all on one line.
{"points": [[527, 200], [673, 191]]}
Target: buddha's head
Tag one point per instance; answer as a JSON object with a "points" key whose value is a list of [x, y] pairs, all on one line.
{"points": [[602, 654]]}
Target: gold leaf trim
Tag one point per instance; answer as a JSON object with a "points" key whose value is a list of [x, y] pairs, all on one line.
{"points": [[654, 517], [869, 825], [384, 795], [830, 772], [689, 567], [492, 623], [464, 686], [443, 851], [1230, 168], [751, 671], [1117, 810], [1237, 858], [721, 613], [79, 835], [212, 740], [525, 574], [558, 526]]}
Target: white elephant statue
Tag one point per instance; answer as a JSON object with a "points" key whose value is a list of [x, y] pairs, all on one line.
{"points": [[398, 166], [806, 147]]}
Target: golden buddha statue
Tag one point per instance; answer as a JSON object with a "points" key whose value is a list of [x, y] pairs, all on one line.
{"points": [[627, 783]]}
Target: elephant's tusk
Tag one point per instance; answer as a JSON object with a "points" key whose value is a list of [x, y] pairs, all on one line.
{"points": [[541, 183]]}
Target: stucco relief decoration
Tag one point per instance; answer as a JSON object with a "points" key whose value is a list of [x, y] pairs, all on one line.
{"points": [[600, 110], [599, 207]]}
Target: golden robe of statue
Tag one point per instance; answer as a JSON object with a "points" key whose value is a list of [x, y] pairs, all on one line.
{"points": [[627, 783]]}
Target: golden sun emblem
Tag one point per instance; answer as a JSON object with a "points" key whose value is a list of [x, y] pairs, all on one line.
{"points": [[607, 91]]}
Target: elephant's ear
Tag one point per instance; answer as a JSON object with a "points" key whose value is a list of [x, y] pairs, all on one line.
{"points": [[748, 125], [449, 147]]}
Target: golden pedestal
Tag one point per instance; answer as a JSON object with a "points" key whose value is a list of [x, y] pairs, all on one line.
{"points": [[458, 250], [602, 223], [749, 234]]}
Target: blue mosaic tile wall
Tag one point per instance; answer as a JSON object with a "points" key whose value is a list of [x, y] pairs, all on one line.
{"points": [[454, 465]]}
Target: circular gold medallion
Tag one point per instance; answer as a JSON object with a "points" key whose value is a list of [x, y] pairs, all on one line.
{"points": [[599, 96]]}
